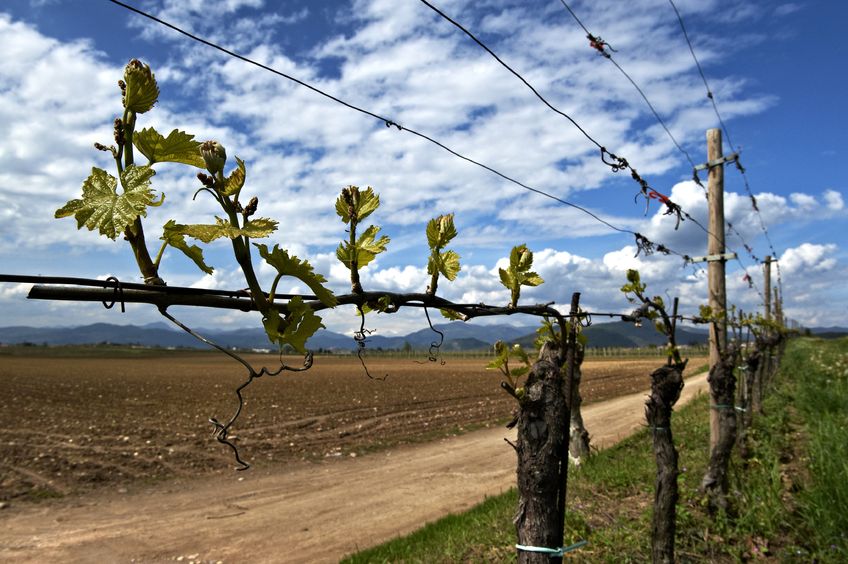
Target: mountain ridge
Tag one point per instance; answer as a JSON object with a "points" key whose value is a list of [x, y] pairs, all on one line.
{"points": [[458, 336]]}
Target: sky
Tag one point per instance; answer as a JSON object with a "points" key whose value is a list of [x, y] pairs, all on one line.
{"points": [[776, 69]]}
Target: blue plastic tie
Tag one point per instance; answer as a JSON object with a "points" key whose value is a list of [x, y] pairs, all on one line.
{"points": [[552, 552]]}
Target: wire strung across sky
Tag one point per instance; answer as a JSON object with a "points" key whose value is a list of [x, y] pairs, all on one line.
{"points": [[603, 48], [644, 245], [616, 163], [621, 163], [739, 167], [599, 45], [642, 242]]}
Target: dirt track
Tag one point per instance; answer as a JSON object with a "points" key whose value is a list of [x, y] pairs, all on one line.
{"points": [[311, 512]]}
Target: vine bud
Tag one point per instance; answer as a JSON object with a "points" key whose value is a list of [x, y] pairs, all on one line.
{"points": [[205, 179], [250, 209], [119, 132], [214, 155]]}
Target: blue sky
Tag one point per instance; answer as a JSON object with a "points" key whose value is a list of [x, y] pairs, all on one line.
{"points": [[775, 68]]}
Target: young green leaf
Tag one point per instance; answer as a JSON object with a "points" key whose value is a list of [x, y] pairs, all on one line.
{"points": [[254, 228], [383, 304], [295, 328], [102, 208], [501, 356], [355, 204], [141, 90], [518, 351], [367, 247], [634, 284], [546, 332], [519, 274], [235, 181], [440, 231], [287, 265], [453, 315], [446, 263], [175, 238], [178, 147]]}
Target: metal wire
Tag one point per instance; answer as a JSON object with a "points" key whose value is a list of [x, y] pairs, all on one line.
{"points": [[724, 129], [388, 122], [609, 57]]}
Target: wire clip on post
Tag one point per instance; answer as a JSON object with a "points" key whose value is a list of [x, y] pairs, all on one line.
{"points": [[713, 258], [733, 157], [552, 552]]}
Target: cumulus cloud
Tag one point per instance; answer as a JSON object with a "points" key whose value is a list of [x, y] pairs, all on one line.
{"points": [[808, 257], [803, 201], [833, 200], [401, 61]]}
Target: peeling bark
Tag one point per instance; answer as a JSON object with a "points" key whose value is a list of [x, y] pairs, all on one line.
{"points": [[752, 364], [666, 384], [578, 442], [722, 395], [541, 436]]}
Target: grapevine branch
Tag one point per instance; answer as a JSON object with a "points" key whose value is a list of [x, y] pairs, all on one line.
{"points": [[57, 288]]}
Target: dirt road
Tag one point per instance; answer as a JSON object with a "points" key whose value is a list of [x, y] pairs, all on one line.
{"points": [[310, 513]]}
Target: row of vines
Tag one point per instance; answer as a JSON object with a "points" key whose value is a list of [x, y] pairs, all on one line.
{"points": [[546, 389]]}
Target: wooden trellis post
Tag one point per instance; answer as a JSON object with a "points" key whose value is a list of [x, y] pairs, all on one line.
{"points": [[721, 378]]}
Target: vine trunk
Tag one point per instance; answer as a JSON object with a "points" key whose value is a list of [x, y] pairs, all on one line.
{"points": [[541, 436], [666, 384]]}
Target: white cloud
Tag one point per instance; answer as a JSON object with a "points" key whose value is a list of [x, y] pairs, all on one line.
{"points": [[833, 200], [401, 61], [787, 8], [803, 201], [808, 257]]}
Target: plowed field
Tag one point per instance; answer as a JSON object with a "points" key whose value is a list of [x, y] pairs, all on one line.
{"points": [[71, 425]]}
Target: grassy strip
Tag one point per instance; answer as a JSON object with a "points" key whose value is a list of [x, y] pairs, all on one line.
{"points": [[820, 381], [790, 496]]}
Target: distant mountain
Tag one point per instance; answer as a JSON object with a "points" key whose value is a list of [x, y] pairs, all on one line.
{"points": [[98, 333], [829, 332], [457, 336], [625, 334]]}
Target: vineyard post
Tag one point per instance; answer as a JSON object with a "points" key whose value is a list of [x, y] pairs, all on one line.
{"points": [[767, 284], [715, 268], [767, 362]]}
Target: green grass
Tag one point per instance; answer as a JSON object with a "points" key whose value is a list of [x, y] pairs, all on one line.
{"points": [[821, 384], [790, 498]]}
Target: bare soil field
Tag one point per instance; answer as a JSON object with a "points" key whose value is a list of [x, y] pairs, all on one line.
{"points": [[72, 425]]}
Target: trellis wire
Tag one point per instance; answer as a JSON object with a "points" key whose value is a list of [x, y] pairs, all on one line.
{"points": [[739, 166], [593, 39], [616, 164], [599, 46]]}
